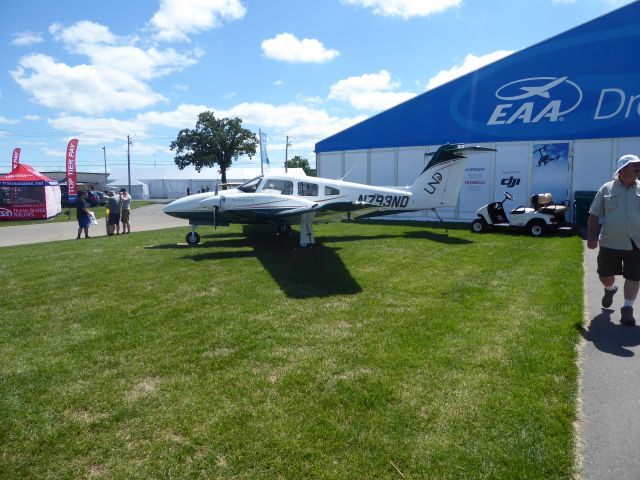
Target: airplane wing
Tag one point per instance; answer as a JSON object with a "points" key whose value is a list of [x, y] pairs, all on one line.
{"points": [[293, 212]]}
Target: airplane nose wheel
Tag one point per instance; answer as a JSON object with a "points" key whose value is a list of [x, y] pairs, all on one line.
{"points": [[193, 238]]}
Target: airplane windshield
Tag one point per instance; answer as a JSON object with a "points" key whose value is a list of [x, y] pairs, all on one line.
{"points": [[251, 186]]}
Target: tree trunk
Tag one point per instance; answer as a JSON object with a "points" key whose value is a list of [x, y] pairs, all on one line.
{"points": [[223, 177]]}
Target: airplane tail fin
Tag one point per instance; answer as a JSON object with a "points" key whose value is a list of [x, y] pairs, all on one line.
{"points": [[439, 183]]}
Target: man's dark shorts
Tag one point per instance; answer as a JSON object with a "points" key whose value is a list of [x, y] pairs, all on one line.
{"points": [[84, 222], [613, 262], [114, 218]]}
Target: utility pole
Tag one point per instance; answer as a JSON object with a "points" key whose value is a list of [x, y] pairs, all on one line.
{"points": [[286, 154], [104, 153], [129, 143]]}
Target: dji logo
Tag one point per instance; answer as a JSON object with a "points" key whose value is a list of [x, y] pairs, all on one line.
{"points": [[510, 182]]}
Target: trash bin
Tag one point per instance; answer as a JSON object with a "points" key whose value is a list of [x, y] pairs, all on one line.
{"points": [[583, 199]]}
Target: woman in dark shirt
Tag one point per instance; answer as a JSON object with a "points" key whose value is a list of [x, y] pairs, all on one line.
{"points": [[82, 213]]}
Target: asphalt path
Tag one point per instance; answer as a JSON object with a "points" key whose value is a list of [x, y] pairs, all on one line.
{"points": [[149, 217], [610, 385], [609, 424]]}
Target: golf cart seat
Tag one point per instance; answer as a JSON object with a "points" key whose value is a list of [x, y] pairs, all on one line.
{"points": [[543, 202]]}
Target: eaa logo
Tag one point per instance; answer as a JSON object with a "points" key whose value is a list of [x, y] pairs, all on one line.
{"points": [[5, 213], [549, 98], [435, 181]]}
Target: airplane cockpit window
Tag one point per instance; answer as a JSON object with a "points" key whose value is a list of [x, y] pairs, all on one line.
{"points": [[251, 186], [307, 189], [331, 191], [285, 187]]}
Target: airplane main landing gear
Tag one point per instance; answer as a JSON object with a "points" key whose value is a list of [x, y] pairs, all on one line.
{"points": [[283, 229]]}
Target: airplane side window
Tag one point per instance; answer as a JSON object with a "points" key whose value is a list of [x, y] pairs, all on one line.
{"points": [[331, 191], [285, 187], [307, 189]]}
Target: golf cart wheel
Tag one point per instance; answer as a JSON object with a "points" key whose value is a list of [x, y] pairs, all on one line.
{"points": [[479, 225], [193, 238], [536, 229]]}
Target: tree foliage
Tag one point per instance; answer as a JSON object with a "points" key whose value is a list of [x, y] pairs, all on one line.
{"points": [[299, 162], [214, 141]]}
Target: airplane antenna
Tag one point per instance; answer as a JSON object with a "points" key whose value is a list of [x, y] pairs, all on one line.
{"points": [[345, 175]]}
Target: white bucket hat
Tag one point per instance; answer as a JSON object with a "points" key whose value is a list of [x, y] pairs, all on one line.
{"points": [[625, 160]]}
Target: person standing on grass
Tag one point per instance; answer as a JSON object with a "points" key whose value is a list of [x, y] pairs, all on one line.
{"points": [[113, 204], [125, 210], [82, 214], [617, 207]]}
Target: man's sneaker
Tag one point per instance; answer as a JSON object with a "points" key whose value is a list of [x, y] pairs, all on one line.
{"points": [[607, 298], [627, 316]]}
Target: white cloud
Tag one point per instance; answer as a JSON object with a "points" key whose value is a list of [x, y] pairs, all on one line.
{"points": [[371, 91], [405, 8], [309, 125], [82, 33], [31, 118], [114, 78], [82, 88], [24, 39], [177, 18], [184, 116], [471, 63], [7, 121], [94, 131], [288, 48]]}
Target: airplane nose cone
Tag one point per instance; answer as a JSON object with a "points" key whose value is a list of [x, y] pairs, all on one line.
{"points": [[176, 206]]}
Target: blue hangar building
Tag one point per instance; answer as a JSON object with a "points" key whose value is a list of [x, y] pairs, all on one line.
{"points": [[559, 114]]}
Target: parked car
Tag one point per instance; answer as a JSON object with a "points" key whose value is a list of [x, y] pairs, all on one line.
{"points": [[94, 198]]}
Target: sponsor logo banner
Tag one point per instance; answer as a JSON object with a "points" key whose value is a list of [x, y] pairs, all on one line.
{"points": [[71, 168], [15, 158], [16, 212]]}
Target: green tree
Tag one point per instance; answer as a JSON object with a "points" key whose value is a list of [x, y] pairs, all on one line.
{"points": [[215, 141], [303, 163]]}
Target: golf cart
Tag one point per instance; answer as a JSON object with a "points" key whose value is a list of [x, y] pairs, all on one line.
{"points": [[541, 216]]}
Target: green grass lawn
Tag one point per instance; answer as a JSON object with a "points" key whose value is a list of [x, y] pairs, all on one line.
{"points": [[385, 352]]}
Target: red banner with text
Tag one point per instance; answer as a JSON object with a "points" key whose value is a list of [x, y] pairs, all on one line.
{"points": [[72, 147], [15, 158]]}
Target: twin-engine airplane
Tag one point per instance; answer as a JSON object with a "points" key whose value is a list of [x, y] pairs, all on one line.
{"points": [[283, 200]]}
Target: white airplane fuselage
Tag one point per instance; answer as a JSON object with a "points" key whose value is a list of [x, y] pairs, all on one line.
{"points": [[283, 200]]}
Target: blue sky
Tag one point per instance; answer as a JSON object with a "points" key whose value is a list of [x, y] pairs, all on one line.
{"points": [[99, 71]]}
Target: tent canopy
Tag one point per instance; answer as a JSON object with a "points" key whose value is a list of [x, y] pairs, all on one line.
{"points": [[25, 176], [26, 194]]}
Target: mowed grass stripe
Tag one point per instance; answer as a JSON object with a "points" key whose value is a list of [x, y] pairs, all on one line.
{"points": [[384, 349]]}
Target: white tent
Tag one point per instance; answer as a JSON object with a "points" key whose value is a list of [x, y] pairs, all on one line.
{"points": [[139, 190], [173, 183]]}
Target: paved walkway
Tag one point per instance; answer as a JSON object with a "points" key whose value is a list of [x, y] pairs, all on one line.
{"points": [[149, 217], [610, 393]]}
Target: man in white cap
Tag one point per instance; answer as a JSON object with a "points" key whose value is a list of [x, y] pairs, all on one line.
{"points": [[617, 207]]}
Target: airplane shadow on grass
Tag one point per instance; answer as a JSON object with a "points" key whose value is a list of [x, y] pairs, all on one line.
{"points": [[300, 272]]}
